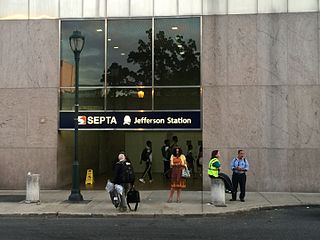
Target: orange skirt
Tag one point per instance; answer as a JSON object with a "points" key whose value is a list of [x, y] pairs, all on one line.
{"points": [[176, 180]]}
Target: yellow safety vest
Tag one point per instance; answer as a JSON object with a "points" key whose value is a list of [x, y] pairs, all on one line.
{"points": [[212, 170]]}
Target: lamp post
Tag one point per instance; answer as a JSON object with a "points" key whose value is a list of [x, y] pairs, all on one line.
{"points": [[76, 41]]}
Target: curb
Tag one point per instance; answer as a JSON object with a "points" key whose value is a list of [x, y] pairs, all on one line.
{"points": [[149, 215]]}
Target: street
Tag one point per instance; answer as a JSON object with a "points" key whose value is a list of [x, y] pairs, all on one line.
{"points": [[287, 223]]}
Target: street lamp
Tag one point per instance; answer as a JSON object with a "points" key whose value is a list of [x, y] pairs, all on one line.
{"points": [[76, 41]]}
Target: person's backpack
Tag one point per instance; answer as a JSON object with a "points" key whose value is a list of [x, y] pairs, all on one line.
{"points": [[145, 154], [127, 172]]}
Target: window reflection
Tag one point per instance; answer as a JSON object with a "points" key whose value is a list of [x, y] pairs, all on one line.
{"points": [[89, 98], [176, 98], [129, 99], [93, 54], [177, 52], [127, 83], [129, 53]]}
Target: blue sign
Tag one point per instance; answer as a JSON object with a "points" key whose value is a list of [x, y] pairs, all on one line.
{"points": [[132, 120]]}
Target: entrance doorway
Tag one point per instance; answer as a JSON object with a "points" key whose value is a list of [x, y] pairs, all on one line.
{"points": [[98, 150]]}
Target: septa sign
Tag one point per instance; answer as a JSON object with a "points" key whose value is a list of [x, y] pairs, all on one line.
{"points": [[132, 120]]}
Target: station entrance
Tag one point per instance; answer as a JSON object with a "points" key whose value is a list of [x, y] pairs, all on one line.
{"points": [[98, 151]]}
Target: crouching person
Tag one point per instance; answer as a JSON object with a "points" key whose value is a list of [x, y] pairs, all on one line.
{"points": [[124, 176], [214, 170]]}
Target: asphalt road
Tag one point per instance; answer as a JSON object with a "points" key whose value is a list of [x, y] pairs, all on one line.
{"points": [[289, 223]]}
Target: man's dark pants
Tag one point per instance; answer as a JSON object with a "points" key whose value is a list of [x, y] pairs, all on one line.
{"points": [[239, 178]]}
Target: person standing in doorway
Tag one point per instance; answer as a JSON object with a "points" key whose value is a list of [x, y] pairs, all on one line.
{"points": [[177, 164], [166, 154], [174, 144], [190, 159], [239, 166], [146, 156]]}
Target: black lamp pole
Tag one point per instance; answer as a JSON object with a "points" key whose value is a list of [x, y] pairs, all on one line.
{"points": [[76, 41]]}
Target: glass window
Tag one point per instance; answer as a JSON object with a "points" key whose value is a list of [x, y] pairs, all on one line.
{"points": [[302, 5], [118, 8], [177, 51], [14, 9], [141, 8], [94, 8], [92, 58], [176, 98], [272, 6], [89, 98], [214, 7], [129, 61], [165, 8], [129, 99], [71, 8], [189, 7], [242, 6], [44, 9]]}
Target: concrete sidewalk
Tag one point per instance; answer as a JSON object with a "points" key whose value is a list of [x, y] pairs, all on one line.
{"points": [[153, 203]]}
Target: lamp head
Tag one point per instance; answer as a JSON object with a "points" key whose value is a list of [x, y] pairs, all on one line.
{"points": [[76, 41]]}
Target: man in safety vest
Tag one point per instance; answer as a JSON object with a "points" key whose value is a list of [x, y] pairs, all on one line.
{"points": [[214, 170]]}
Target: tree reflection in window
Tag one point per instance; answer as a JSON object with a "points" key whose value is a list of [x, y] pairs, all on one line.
{"points": [[177, 62]]}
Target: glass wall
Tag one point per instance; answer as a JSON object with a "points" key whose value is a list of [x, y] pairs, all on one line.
{"points": [[151, 64]]}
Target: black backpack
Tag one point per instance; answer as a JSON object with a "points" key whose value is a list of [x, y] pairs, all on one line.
{"points": [[145, 155], [127, 172]]}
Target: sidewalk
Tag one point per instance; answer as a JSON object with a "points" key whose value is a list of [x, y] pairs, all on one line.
{"points": [[153, 203]]}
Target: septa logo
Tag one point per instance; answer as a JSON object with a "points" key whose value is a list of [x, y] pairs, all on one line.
{"points": [[82, 120]]}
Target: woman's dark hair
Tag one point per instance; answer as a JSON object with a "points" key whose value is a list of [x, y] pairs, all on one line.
{"points": [[175, 151], [214, 153]]}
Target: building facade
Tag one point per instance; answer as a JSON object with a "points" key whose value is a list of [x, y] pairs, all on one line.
{"points": [[258, 86]]}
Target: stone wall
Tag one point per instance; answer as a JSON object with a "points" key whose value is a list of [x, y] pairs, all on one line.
{"points": [[29, 71], [261, 93]]}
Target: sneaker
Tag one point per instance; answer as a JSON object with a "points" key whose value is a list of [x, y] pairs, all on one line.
{"points": [[232, 199], [150, 181], [242, 200], [142, 180]]}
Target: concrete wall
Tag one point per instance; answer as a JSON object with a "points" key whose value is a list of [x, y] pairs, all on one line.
{"points": [[29, 77], [261, 93]]}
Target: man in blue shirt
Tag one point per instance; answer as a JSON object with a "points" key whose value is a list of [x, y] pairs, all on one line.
{"points": [[239, 167]]}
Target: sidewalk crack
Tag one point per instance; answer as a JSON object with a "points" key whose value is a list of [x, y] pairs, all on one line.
{"points": [[265, 198]]}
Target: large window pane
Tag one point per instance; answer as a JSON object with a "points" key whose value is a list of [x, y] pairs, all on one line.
{"points": [[71, 8], [302, 5], [272, 6], [118, 8], [141, 8], [89, 98], [242, 6], [14, 9], [129, 61], [177, 51], [165, 8], [94, 8], [44, 9], [214, 7], [91, 68], [129, 99], [189, 7], [176, 98]]}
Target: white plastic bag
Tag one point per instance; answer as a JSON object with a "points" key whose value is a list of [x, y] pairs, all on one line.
{"points": [[110, 186], [119, 188]]}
